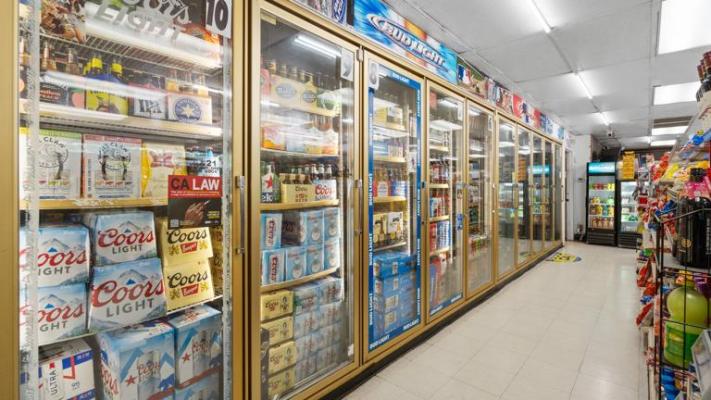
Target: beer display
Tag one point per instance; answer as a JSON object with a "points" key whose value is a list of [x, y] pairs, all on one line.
{"points": [[537, 195], [445, 274], [480, 141], [526, 189], [114, 303], [304, 264], [507, 199], [393, 197]]}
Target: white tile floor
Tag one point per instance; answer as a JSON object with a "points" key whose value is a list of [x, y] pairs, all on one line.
{"points": [[561, 331]]}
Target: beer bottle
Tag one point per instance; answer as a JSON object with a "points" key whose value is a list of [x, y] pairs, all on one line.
{"points": [[72, 66], [293, 73], [314, 172], [283, 71], [171, 82], [321, 172], [328, 174]]}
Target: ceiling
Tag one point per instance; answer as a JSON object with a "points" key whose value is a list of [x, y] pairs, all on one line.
{"points": [[610, 43]]}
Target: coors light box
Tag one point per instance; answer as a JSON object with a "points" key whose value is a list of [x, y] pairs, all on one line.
{"points": [[121, 237]]}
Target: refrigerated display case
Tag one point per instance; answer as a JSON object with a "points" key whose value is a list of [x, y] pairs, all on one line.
{"points": [[524, 243], [537, 195], [548, 196], [445, 218], [393, 159], [507, 199], [304, 168], [559, 193], [600, 218], [480, 150], [627, 234], [126, 228]]}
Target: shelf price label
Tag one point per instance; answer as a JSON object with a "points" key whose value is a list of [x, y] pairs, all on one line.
{"points": [[218, 17]]}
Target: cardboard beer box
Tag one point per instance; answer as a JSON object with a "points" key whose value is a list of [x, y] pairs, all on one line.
{"points": [[295, 259], [304, 347], [158, 161], [272, 266], [138, 362], [190, 109], [198, 344], [66, 371], [217, 261], [305, 368], [61, 312], [304, 324], [125, 294], [306, 298], [297, 193], [331, 223], [280, 383], [207, 388], [332, 253], [121, 237], [58, 175], [183, 245], [187, 284], [111, 167], [271, 228], [282, 356], [314, 259], [279, 329], [325, 189], [276, 304], [302, 227], [62, 255]]}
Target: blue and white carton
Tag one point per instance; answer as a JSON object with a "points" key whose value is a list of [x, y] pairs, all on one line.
{"points": [[138, 362], [272, 266], [66, 371], [295, 259], [207, 388], [121, 237], [314, 259], [303, 227], [198, 343], [62, 255], [331, 223], [61, 312], [270, 227]]}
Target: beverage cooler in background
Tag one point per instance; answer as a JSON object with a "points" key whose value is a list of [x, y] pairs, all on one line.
{"points": [[305, 164], [479, 148], [507, 199], [393, 155], [445, 218], [125, 262], [601, 194], [627, 234]]}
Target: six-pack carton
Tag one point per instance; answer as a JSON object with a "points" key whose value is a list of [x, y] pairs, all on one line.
{"points": [[138, 362], [66, 371], [126, 293], [59, 165], [198, 343], [121, 237], [182, 245], [158, 161], [188, 283], [61, 312], [62, 255], [111, 167]]}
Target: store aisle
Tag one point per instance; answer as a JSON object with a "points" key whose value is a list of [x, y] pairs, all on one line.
{"points": [[561, 331]]}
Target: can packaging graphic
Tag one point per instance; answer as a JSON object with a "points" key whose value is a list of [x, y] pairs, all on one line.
{"points": [[121, 237], [183, 245], [66, 371], [59, 161], [188, 283], [112, 167], [138, 362], [126, 293], [61, 312], [62, 255]]}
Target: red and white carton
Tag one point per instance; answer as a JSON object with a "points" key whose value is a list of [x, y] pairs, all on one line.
{"points": [[66, 371], [125, 294], [111, 167], [61, 312], [121, 237]]}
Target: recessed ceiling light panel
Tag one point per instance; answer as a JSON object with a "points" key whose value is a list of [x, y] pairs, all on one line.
{"points": [[679, 93], [684, 24]]}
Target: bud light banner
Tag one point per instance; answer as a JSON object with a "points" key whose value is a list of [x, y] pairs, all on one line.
{"points": [[378, 21]]}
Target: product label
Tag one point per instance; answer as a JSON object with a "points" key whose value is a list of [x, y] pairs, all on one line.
{"points": [[61, 312], [188, 283]]}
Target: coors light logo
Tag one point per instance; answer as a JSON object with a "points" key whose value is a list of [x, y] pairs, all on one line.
{"points": [[61, 312]]}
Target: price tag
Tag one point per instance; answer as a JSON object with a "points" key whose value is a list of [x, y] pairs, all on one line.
{"points": [[218, 17]]}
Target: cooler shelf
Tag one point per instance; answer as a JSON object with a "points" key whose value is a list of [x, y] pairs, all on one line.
{"points": [[295, 282], [439, 186], [389, 199], [394, 160], [439, 251], [440, 218], [95, 203], [297, 206]]}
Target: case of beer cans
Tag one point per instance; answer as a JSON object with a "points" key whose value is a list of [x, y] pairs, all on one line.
{"points": [[187, 284], [303, 227], [121, 237], [183, 245], [314, 258], [158, 161], [62, 255], [271, 228], [198, 343], [191, 109], [125, 294], [61, 312], [138, 362], [295, 258], [66, 371], [279, 329], [332, 253], [58, 175], [272, 266], [111, 167], [276, 304], [207, 388], [331, 223]]}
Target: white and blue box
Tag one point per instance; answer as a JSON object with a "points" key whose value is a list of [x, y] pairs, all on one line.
{"points": [[332, 253], [272, 266], [61, 312], [207, 388], [66, 371], [270, 225], [121, 237], [295, 259], [303, 227], [331, 223], [314, 258]]}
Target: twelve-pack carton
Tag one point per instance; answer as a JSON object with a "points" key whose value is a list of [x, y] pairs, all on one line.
{"points": [[121, 237]]}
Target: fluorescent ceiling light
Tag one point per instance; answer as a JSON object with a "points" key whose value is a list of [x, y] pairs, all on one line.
{"points": [[670, 130], [506, 144], [604, 119], [684, 24], [448, 103], [585, 88], [679, 93], [307, 42], [541, 19], [663, 143]]}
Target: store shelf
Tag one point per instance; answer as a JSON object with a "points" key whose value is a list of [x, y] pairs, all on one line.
{"points": [[390, 126], [439, 186], [440, 251], [296, 282], [390, 246], [440, 218], [388, 159], [601, 216], [295, 106], [297, 206], [443, 149], [81, 119], [389, 199], [95, 203], [271, 153]]}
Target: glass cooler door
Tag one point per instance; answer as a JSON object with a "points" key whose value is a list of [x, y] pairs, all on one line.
{"points": [[507, 204], [628, 207], [126, 201], [306, 162], [601, 202], [548, 196], [558, 202], [445, 208], [537, 193], [394, 102], [480, 263], [525, 249]]}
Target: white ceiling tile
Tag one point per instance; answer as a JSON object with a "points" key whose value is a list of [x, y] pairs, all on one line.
{"points": [[529, 58], [558, 87], [675, 110], [624, 98], [635, 142], [569, 107], [564, 12], [677, 67], [628, 114], [616, 38], [432, 26], [610, 79], [631, 128]]}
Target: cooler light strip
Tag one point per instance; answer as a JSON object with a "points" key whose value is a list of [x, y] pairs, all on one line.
{"points": [[309, 43]]}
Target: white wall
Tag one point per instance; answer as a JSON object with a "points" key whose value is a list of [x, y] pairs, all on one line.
{"points": [[581, 151]]}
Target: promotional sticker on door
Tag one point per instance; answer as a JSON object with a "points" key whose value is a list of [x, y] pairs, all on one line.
{"points": [[194, 201]]}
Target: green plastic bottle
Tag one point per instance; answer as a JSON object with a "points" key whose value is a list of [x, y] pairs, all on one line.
{"points": [[679, 338]]}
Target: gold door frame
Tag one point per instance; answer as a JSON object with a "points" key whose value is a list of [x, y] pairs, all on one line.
{"points": [[470, 295], [430, 319], [371, 356], [503, 119], [253, 146]]}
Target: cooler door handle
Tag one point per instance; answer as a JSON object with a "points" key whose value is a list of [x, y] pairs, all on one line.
{"points": [[240, 183]]}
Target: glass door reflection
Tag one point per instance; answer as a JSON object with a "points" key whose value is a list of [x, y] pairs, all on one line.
{"points": [[548, 196], [507, 205], [536, 195], [525, 250]]}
